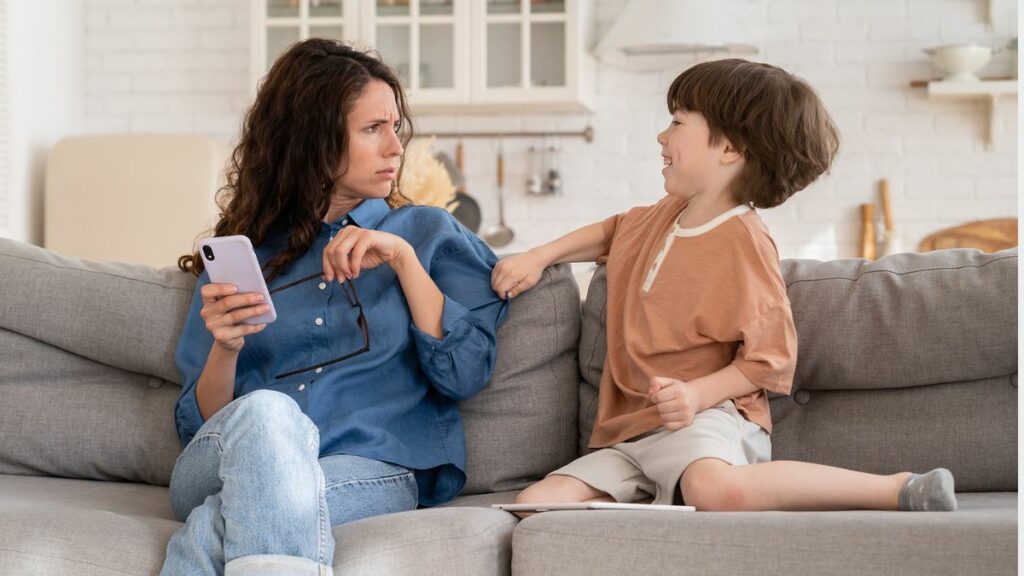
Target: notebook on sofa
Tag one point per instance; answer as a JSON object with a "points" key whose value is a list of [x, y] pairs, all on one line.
{"points": [[547, 507]]}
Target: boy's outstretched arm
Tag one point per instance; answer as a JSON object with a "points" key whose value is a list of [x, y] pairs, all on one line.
{"points": [[517, 274]]}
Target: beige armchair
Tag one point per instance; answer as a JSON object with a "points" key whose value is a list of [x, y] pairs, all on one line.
{"points": [[130, 197]]}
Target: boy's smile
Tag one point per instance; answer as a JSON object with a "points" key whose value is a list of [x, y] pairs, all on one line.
{"points": [[695, 169]]}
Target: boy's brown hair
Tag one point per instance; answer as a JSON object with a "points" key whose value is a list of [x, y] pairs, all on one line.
{"points": [[773, 118]]}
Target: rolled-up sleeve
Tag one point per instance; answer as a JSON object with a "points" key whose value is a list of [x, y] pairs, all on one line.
{"points": [[460, 363], [190, 358]]}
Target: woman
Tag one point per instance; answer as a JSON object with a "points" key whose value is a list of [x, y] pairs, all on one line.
{"points": [[345, 407]]}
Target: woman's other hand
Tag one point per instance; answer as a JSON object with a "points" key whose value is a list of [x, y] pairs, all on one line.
{"points": [[356, 249], [224, 311], [517, 274]]}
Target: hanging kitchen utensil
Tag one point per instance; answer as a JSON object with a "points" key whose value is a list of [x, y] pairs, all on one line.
{"points": [[867, 231], [553, 182], [891, 241], [500, 235], [534, 184], [466, 210]]}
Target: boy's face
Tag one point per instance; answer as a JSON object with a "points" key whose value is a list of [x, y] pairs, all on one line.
{"points": [[692, 165]]}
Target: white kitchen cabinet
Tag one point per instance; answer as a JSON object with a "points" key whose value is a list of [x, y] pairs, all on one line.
{"points": [[453, 56]]}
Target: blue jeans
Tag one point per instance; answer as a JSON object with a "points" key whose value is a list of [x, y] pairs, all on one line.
{"points": [[256, 499]]}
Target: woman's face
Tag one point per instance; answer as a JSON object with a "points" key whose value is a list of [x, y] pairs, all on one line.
{"points": [[369, 166]]}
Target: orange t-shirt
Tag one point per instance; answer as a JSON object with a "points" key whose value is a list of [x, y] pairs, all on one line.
{"points": [[685, 303]]}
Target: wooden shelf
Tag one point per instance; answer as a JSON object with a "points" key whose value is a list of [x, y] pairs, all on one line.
{"points": [[991, 91], [972, 90]]}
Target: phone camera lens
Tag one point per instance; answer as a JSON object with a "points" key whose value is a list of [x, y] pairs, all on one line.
{"points": [[208, 252]]}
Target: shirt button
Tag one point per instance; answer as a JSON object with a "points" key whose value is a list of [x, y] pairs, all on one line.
{"points": [[344, 222], [319, 321], [323, 285], [302, 387], [319, 370]]}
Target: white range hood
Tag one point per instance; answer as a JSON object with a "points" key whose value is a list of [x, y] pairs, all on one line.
{"points": [[652, 34]]}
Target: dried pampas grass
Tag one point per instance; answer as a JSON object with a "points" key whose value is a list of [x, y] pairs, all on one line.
{"points": [[425, 180]]}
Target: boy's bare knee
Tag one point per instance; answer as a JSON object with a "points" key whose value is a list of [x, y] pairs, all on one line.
{"points": [[709, 485]]}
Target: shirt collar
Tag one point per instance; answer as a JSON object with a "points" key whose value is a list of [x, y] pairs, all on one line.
{"points": [[367, 215]]}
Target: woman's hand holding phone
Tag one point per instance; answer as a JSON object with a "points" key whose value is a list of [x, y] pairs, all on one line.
{"points": [[225, 311]]}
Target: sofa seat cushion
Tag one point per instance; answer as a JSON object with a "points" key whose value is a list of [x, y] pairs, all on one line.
{"points": [[978, 539], [484, 500], [88, 528], [449, 541], [62, 526]]}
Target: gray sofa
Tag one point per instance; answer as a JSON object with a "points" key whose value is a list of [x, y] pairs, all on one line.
{"points": [[905, 363]]}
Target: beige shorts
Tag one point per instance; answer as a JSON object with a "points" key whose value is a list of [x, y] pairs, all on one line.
{"points": [[651, 465]]}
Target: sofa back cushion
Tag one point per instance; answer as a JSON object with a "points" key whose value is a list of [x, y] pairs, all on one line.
{"points": [[905, 363], [523, 425], [127, 316], [65, 415], [88, 382]]}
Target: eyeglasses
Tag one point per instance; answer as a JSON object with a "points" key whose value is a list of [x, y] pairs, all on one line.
{"points": [[349, 290]]}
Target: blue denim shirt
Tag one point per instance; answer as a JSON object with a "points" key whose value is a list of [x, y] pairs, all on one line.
{"points": [[397, 402]]}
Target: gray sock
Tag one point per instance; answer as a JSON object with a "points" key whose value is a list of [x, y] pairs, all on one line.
{"points": [[929, 492]]}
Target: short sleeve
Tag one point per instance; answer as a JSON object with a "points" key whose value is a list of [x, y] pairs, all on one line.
{"points": [[609, 226], [767, 352]]}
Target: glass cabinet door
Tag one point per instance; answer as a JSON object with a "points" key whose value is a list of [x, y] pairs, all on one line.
{"points": [[504, 55], [279, 38], [547, 54], [488, 54], [526, 44], [327, 19], [285, 22], [418, 39]]}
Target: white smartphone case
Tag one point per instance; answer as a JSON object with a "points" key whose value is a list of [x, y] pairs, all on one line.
{"points": [[234, 262]]}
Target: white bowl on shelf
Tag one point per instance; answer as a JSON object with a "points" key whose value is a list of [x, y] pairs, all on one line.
{"points": [[959, 62]]}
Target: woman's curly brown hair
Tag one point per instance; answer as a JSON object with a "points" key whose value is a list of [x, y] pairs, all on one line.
{"points": [[281, 174], [773, 118]]}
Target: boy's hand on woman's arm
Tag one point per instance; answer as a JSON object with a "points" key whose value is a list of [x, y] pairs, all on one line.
{"points": [[516, 274]]}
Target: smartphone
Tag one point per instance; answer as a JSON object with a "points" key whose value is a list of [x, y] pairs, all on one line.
{"points": [[231, 260]]}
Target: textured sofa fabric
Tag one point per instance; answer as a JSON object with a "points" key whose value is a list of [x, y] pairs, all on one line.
{"points": [[62, 526], [116, 337], [88, 386], [908, 362], [980, 540]]}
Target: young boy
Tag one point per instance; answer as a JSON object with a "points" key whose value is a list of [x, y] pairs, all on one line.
{"points": [[699, 326]]}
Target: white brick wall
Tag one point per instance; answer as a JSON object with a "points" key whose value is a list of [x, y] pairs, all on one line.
{"points": [[166, 66], [182, 65]]}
